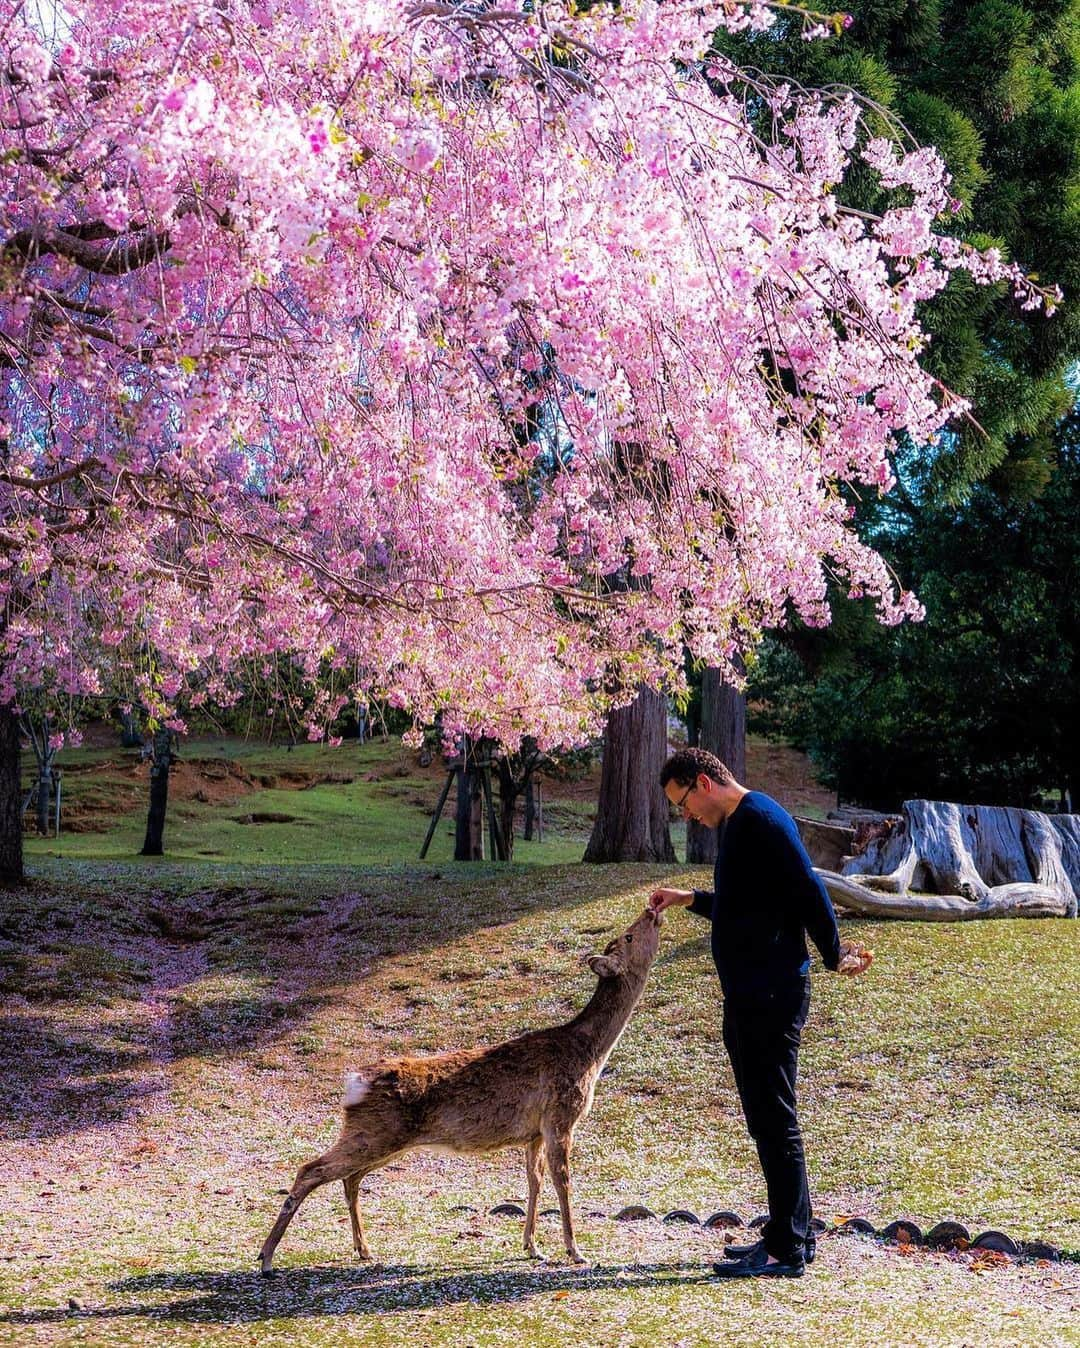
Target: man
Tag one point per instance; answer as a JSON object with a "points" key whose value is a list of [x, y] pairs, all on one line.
{"points": [[765, 899]]}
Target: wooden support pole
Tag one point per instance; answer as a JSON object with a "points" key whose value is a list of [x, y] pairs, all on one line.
{"points": [[438, 813]]}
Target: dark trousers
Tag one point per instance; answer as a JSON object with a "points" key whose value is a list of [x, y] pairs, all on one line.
{"points": [[762, 1041]]}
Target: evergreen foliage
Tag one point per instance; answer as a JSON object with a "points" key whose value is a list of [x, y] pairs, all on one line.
{"points": [[978, 703], [995, 85]]}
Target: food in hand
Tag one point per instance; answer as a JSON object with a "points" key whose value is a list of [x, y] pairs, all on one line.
{"points": [[854, 958]]}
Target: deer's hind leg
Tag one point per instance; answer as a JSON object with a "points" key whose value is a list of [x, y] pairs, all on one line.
{"points": [[341, 1160], [352, 1199], [534, 1173]]}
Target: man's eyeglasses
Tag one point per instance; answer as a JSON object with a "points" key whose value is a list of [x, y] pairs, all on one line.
{"points": [[680, 804]]}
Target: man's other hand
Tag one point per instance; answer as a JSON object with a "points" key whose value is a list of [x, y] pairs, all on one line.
{"points": [[855, 959]]}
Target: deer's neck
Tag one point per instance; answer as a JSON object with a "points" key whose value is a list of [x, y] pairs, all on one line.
{"points": [[602, 1021]]}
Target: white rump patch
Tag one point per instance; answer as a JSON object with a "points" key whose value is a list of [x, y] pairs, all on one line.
{"points": [[357, 1086]]}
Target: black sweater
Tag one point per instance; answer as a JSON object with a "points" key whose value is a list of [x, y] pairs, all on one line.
{"points": [[765, 899]]}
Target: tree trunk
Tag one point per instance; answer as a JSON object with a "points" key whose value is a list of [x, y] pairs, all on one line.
{"points": [[44, 754], [723, 733], [130, 734], [469, 818], [11, 840], [632, 815], [160, 763], [466, 834], [945, 862], [509, 789], [516, 773]]}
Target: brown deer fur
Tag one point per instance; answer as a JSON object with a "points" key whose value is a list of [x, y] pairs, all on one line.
{"points": [[528, 1092]]}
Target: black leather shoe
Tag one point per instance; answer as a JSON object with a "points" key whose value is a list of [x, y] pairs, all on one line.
{"points": [[741, 1251], [756, 1265]]}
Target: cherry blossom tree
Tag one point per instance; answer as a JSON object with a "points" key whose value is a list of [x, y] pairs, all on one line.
{"points": [[284, 284]]}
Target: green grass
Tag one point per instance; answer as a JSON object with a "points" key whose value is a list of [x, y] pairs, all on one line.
{"points": [[348, 819], [181, 1054]]}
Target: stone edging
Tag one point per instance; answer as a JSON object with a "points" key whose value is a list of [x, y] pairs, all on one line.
{"points": [[945, 1235]]}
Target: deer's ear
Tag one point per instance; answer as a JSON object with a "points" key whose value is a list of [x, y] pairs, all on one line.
{"points": [[603, 966]]}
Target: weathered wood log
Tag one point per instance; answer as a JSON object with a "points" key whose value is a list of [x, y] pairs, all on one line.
{"points": [[828, 844], [945, 862], [1016, 900]]}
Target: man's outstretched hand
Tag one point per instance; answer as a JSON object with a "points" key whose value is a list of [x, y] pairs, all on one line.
{"points": [[855, 959], [660, 899]]}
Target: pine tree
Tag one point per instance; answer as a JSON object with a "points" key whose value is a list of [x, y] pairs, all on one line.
{"points": [[979, 703]]}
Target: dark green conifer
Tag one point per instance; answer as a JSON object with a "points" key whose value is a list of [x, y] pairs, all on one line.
{"points": [[996, 86]]}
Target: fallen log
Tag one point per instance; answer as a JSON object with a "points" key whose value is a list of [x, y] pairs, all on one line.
{"points": [[854, 894]]}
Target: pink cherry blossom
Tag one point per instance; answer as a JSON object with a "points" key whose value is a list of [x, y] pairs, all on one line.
{"points": [[359, 335]]}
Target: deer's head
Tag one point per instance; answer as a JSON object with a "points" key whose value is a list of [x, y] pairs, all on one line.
{"points": [[631, 953]]}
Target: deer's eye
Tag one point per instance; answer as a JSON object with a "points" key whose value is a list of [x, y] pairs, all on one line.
{"points": [[629, 939]]}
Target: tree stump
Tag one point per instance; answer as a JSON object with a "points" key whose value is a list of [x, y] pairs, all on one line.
{"points": [[938, 861]]}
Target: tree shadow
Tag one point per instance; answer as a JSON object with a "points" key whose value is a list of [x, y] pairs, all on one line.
{"points": [[57, 1080], [221, 1298], [62, 1078], [297, 946]]}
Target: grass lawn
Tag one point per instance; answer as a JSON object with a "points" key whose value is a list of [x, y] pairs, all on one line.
{"points": [[174, 1034], [230, 800]]}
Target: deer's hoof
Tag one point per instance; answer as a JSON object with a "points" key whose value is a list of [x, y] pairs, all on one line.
{"points": [[576, 1257], [267, 1272]]}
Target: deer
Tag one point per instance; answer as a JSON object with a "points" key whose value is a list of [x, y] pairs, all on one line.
{"points": [[531, 1092]]}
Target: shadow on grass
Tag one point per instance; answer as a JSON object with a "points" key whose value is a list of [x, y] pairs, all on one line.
{"points": [[238, 1298], [55, 1083], [298, 940], [693, 947]]}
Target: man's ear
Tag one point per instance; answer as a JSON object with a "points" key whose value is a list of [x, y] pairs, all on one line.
{"points": [[604, 966]]}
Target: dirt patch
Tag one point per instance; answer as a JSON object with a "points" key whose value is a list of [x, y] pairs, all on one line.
{"points": [[788, 776], [266, 817], [121, 785], [304, 779], [77, 821]]}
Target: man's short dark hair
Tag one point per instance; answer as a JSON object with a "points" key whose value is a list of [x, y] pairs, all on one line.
{"points": [[686, 766]]}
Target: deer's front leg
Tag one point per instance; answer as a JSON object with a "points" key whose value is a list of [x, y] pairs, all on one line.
{"points": [[558, 1147], [534, 1174]]}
